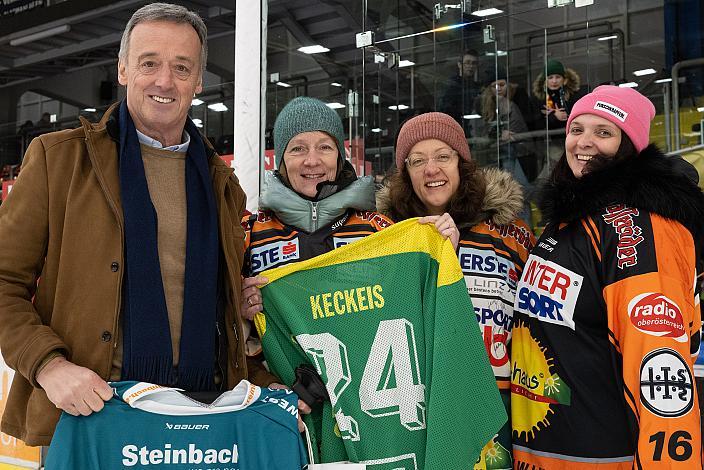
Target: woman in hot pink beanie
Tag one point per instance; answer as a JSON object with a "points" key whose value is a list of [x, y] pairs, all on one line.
{"points": [[607, 321]]}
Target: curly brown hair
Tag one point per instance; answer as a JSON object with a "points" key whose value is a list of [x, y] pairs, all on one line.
{"points": [[463, 206]]}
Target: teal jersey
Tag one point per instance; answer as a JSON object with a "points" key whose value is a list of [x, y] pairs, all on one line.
{"points": [[389, 326], [150, 426]]}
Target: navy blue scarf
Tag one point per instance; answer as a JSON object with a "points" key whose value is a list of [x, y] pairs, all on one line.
{"points": [[147, 346]]}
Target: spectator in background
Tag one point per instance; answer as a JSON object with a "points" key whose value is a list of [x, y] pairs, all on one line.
{"points": [[553, 100], [499, 134], [44, 122], [461, 93]]}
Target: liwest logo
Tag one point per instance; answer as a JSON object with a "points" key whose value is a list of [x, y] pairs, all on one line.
{"points": [[481, 262], [611, 109], [142, 456], [548, 292], [656, 315], [629, 234], [271, 254]]}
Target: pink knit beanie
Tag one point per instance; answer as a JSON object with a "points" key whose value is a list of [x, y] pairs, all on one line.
{"points": [[430, 126], [625, 107]]}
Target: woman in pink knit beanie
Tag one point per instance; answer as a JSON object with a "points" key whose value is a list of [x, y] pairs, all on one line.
{"points": [[607, 320], [437, 177]]}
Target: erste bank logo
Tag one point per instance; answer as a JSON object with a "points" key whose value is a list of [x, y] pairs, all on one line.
{"points": [[272, 254]]}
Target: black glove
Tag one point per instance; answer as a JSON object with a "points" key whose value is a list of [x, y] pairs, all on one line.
{"points": [[309, 386]]}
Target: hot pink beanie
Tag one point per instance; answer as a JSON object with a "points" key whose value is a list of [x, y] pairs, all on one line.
{"points": [[625, 107], [430, 126]]}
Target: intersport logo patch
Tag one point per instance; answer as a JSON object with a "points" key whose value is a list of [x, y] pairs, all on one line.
{"points": [[654, 314]]}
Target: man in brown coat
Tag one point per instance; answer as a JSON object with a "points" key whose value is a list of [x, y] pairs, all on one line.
{"points": [[122, 246]]}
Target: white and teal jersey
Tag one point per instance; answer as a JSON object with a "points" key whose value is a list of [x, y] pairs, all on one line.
{"points": [[149, 426]]}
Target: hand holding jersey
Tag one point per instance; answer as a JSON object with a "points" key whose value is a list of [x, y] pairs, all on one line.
{"points": [[73, 389], [445, 226], [252, 296]]}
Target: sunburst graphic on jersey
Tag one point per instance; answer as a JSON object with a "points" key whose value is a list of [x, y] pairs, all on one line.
{"points": [[494, 456], [535, 389]]}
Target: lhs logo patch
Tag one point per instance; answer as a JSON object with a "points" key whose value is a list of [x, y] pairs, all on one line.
{"points": [[666, 384], [611, 109], [656, 315]]}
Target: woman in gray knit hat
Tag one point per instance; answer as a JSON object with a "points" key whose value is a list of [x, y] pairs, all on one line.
{"points": [[311, 205]]}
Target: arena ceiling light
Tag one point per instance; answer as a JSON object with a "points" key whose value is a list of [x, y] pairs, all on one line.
{"points": [[608, 38], [283, 84], [471, 116], [405, 63], [217, 107], [196, 102], [314, 49], [339, 85], [663, 80], [399, 107], [89, 110], [335, 105], [487, 12], [47, 33], [198, 122], [640, 73], [376, 130], [628, 85]]}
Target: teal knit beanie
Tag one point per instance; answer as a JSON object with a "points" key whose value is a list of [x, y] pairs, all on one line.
{"points": [[305, 114], [555, 67]]}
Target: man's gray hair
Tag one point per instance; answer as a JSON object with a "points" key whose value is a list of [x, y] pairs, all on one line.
{"points": [[166, 12]]}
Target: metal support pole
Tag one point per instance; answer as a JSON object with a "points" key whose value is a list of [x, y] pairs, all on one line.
{"points": [[666, 110], [250, 92]]}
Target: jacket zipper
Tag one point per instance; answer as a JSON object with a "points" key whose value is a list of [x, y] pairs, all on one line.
{"points": [[314, 215]]}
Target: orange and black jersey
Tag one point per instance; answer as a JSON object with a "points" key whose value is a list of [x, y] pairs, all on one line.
{"points": [[607, 327], [270, 243], [491, 258]]}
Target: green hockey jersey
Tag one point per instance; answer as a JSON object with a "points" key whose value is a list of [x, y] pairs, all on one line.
{"points": [[150, 426], [389, 326]]}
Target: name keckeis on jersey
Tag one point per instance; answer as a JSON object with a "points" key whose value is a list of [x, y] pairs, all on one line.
{"points": [[340, 302], [548, 292], [620, 217]]}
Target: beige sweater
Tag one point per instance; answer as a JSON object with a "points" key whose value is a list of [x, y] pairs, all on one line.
{"points": [[166, 178]]}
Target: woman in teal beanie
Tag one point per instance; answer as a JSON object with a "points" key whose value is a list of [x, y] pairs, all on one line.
{"points": [[312, 204]]}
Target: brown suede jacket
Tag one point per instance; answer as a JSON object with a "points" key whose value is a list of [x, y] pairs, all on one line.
{"points": [[62, 224]]}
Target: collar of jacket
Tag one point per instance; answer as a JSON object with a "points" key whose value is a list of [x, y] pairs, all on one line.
{"points": [[307, 215], [650, 181], [503, 199], [102, 138]]}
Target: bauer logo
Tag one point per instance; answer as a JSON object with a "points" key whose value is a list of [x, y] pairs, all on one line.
{"points": [[656, 315], [666, 387], [548, 292], [611, 109], [273, 254]]}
